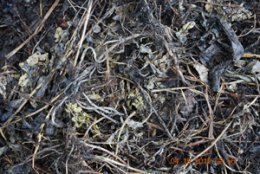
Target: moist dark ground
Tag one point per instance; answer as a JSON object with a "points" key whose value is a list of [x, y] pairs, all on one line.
{"points": [[133, 101]]}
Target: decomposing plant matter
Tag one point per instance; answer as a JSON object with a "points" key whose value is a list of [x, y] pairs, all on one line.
{"points": [[105, 86]]}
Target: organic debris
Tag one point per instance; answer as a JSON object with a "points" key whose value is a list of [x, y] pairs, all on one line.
{"points": [[129, 86], [219, 55]]}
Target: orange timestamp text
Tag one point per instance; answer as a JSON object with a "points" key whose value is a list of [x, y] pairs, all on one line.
{"points": [[201, 160]]}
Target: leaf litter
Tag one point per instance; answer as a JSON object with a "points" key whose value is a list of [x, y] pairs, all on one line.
{"points": [[129, 86]]}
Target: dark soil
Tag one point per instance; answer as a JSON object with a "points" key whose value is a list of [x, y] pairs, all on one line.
{"points": [[105, 86]]}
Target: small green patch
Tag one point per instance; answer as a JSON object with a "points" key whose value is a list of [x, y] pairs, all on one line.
{"points": [[80, 117]]}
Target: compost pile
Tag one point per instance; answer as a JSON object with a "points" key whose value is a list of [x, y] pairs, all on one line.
{"points": [[107, 86]]}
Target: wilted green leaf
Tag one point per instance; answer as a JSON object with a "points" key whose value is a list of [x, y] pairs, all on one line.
{"points": [[36, 57], [24, 81], [79, 116]]}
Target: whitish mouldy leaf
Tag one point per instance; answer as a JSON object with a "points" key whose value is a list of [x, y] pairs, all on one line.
{"points": [[58, 34], [117, 18], [186, 27], [209, 6], [202, 71], [96, 28], [145, 49], [134, 124], [151, 84], [181, 7], [232, 87], [183, 32], [36, 58], [31, 67]]}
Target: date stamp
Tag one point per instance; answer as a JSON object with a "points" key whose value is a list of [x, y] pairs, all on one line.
{"points": [[201, 160]]}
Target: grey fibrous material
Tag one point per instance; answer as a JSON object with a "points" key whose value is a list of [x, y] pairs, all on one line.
{"points": [[107, 112], [219, 56]]}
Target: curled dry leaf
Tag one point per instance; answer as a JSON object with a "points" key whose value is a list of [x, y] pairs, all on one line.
{"points": [[79, 116]]}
